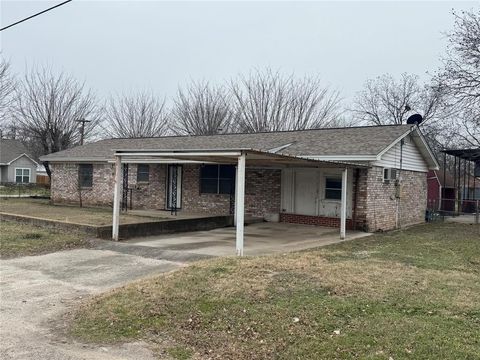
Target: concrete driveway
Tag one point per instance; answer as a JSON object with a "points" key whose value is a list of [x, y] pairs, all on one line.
{"points": [[260, 239], [35, 292]]}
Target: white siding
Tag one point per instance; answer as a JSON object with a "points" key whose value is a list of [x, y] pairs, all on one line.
{"points": [[292, 198], [412, 159], [22, 162]]}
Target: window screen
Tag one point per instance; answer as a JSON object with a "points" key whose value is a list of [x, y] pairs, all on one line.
{"points": [[143, 172], [85, 175], [217, 179], [333, 188]]}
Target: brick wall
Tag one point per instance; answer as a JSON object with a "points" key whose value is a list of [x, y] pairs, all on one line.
{"points": [[262, 193], [378, 205], [64, 187], [413, 198], [151, 194], [262, 189], [314, 220]]}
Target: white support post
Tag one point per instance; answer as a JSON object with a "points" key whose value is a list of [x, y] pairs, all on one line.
{"points": [[343, 211], [116, 197], [236, 196], [240, 204]]}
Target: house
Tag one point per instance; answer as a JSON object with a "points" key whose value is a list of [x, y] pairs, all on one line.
{"points": [[372, 178], [16, 165]]}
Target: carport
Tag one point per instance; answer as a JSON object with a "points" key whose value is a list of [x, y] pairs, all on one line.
{"points": [[239, 157]]}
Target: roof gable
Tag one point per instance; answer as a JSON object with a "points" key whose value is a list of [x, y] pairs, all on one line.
{"points": [[11, 150]]}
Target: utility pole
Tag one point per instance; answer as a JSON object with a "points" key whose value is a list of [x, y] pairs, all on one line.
{"points": [[82, 129]]}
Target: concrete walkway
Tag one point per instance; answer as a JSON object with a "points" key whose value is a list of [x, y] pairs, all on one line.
{"points": [[260, 239]]}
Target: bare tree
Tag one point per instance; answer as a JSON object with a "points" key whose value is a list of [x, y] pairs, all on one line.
{"points": [[138, 115], [269, 101], [7, 86], [202, 110], [384, 100], [460, 76], [47, 107]]}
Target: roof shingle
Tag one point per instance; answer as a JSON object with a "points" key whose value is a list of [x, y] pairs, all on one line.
{"points": [[10, 149], [367, 140]]}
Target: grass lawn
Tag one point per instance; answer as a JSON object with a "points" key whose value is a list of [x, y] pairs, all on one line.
{"points": [[22, 239], [31, 190], [412, 294], [73, 214]]}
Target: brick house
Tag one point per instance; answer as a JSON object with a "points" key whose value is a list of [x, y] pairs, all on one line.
{"points": [[291, 176]]}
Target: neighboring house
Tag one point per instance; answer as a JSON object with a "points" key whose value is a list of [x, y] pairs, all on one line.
{"points": [[291, 176], [16, 165]]}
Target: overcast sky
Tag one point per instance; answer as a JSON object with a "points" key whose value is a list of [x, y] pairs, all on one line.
{"points": [[120, 46]]}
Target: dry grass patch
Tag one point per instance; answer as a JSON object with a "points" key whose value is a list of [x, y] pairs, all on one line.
{"points": [[41, 208], [404, 300], [22, 240]]}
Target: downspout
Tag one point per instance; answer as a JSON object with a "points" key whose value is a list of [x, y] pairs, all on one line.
{"points": [[398, 186]]}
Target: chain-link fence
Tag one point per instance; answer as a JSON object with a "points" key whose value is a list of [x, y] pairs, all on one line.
{"points": [[463, 211]]}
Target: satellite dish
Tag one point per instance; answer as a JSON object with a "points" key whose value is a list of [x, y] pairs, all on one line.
{"points": [[415, 119]]}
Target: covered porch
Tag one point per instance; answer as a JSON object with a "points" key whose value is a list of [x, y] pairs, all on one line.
{"points": [[241, 159]]}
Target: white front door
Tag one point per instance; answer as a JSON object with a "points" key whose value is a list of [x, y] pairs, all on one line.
{"points": [[306, 191], [174, 185]]}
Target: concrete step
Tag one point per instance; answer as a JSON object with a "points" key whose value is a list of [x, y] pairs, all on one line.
{"points": [[250, 219]]}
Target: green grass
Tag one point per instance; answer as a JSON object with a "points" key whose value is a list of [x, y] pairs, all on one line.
{"points": [[21, 240], [412, 294]]}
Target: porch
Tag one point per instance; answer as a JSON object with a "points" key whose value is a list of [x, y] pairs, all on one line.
{"points": [[240, 167]]}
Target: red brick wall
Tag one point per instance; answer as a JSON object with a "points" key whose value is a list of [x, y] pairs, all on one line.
{"points": [[262, 189], [313, 220], [262, 193]]}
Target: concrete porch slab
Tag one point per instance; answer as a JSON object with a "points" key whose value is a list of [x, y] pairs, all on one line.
{"points": [[260, 239]]}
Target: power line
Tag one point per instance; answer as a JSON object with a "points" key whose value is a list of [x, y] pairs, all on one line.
{"points": [[32, 16]]}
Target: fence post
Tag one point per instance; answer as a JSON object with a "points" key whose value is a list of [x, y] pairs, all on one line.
{"points": [[477, 209]]}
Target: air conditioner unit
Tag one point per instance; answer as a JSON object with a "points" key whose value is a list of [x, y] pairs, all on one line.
{"points": [[389, 174]]}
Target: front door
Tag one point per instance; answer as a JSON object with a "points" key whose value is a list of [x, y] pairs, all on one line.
{"points": [[306, 191], [174, 187]]}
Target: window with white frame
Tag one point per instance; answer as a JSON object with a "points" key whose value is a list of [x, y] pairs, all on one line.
{"points": [[22, 175], [333, 188]]}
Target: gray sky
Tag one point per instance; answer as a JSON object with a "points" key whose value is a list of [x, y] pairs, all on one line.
{"points": [[119, 46]]}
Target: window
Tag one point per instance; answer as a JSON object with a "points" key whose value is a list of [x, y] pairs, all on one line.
{"points": [[85, 175], [333, 188], [389, 174], [22, 176], [217, 179], [143, 173]]}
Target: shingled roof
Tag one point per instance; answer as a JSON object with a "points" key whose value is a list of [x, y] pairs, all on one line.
{"points": [[355, 141], [10, 149]]}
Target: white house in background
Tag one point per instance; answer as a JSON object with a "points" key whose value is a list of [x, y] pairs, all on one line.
{"points": [[16, 165]]}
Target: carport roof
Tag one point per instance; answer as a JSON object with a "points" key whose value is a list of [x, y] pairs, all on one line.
{"points": [[226, 156], [351, 141]]}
